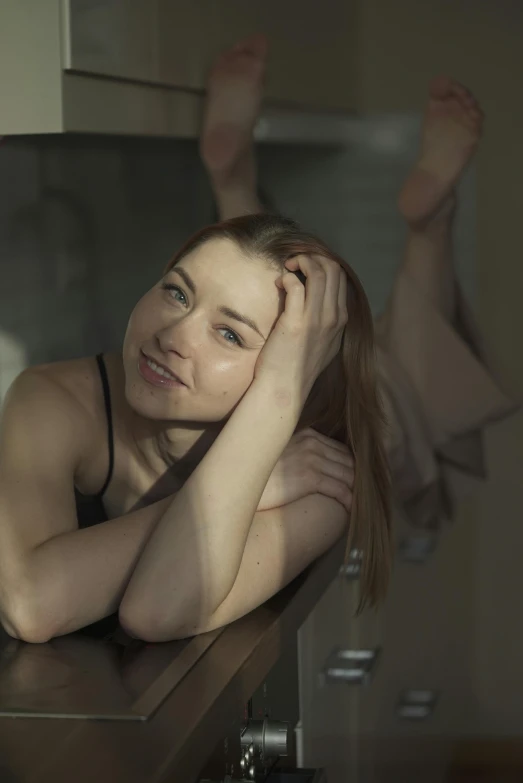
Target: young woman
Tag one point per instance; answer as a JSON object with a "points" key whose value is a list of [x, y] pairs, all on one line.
{"points": [[437, 385], [195, 449]]}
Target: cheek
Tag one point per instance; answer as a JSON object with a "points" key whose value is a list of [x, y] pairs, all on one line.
{"points": [[141, 322], [231, 377]]}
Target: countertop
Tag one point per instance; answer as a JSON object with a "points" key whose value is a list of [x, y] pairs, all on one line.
{"points": [[121, 711]]}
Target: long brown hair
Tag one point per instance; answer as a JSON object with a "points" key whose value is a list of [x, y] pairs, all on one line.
{"points": [[344, 402]]}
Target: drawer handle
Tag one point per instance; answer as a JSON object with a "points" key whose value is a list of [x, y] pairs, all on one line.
{"points": [[417, 547], [416, 704], [352, 568], [353, 667]]}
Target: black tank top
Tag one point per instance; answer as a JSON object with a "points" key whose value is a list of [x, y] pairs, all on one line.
{"points": [[90, 508]]}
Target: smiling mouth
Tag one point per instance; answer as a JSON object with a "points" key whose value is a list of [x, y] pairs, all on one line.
{"points": [[156, 373]]}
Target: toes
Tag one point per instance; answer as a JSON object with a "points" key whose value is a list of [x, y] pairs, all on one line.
{"points": [[444, 88], [440, 87], [464, 95], [469, 119], [468, 100], [255, 45], [248, 55], [472, 108], [476, 114], [238, 63]]}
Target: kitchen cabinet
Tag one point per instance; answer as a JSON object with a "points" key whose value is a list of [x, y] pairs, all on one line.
{"points": [[427, 633], [421, 700], [405, 719], [140, 66], [174, 42], [333, 643]]}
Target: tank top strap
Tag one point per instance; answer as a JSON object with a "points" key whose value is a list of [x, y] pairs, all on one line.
{"points": [[109, 419]]}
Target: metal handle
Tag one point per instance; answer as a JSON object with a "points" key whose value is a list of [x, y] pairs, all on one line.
{"points": [[353, 667], [416, 704], [352, 568], [417, 547]]}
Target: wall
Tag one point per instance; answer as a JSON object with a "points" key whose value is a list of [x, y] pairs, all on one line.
{"points": [[86, 225], [403, 44]]}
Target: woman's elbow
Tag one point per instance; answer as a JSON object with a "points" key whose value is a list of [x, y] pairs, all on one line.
{"points": [[24, 622], [152, 620], [145, 624], [29, 610]]}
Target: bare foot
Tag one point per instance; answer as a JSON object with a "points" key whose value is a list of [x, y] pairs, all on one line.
{"points": [[451, 131], [233, 102]]}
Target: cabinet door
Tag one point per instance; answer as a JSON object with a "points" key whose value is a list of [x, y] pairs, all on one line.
{"points": [[312, 52], [427, 632], [329, 710], [116, 38], [173, 43]]}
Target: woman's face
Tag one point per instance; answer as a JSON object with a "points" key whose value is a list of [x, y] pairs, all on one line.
{"points": [[192, 341]]}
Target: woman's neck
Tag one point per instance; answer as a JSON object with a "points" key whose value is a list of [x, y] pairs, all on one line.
{"points": [[160, 446], [164, 446]]}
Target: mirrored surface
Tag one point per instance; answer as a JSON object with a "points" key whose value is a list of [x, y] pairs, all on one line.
{"points": [[80, 676]]}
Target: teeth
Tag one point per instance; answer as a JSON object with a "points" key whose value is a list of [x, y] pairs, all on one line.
{"points": [[160, 370]]}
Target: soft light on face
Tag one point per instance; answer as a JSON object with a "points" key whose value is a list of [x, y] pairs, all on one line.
{"points": [[188, 327]]}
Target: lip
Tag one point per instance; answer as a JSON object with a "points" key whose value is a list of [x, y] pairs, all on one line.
{"points": [[149, 375]]}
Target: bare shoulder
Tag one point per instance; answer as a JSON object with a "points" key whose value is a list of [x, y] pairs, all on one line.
{"points": [[64, 386], [53, 402]]}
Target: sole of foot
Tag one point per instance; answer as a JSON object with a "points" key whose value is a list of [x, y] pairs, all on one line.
{"points": [[451, 131], [233, 102]]}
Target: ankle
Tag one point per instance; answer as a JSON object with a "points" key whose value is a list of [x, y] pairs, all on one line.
{"points": [[438, 221], [235, 201]]}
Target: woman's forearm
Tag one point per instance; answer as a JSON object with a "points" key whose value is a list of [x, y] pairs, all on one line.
{"points": [[77, 578], [192, 559]]}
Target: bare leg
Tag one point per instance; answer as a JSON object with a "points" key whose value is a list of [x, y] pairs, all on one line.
{"points": [[451, 131], [233, 102]]}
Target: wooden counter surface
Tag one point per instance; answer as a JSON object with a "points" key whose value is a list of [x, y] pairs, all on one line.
{"points": [[167, 732]]}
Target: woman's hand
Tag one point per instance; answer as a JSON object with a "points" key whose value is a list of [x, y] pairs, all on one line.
{"points": [[308, 334], [311, 463]]}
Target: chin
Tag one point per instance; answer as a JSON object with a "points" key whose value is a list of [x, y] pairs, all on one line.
{"points": [[151, 403], [146, 405]]}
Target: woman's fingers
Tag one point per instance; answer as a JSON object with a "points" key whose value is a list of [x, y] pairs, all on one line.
{"points": [[324, 444], [326, 288], [294, 296], [310, 328], [335, 470], [315, 282], [333, 276], [337, 490]]}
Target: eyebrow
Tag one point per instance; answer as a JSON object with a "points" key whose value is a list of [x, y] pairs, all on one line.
{"points": [[185, 277], [234, 314]]}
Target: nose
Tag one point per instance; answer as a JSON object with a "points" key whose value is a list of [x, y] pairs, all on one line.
{"points": [[179, 337]]}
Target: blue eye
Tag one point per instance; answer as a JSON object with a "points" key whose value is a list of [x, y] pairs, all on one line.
{"points": [[235, 339], [174, 290]]}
